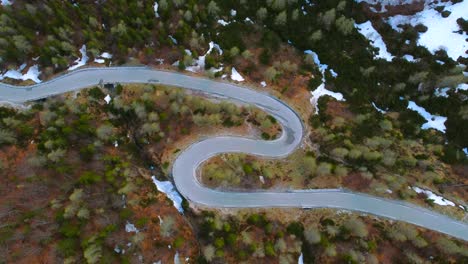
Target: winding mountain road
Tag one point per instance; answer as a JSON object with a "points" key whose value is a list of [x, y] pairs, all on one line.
{"points": [[186, 164]]}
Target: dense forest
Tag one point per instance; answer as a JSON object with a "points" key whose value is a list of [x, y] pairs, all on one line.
{"points": [[133, 30], [76, 170]]}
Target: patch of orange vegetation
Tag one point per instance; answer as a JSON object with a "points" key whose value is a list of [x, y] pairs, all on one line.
{"points": [[154, 245], [355, 181], [335, 108]]}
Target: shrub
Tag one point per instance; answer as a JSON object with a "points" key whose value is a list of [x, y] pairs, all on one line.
{"points": [[356, 227], [89, 177], [296, 229], [96, 93], [312, 235], [209, 252], [269, 249]]}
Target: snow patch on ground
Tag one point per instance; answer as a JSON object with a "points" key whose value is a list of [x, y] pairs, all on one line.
{"points": [[129, 227], [173, 39], [106, 55], [462, 86], [433, 121], [215, 70], [432, 196], [442, 92], [233, 12], [441, 32], [322, 67], [176, 258], [223, 22], [102, 58], [236, 76], [155, 7], [368, 31], [161, 61], [199, 64], [301, 259], [321, 91], [378, 109], [262, 179], [32, 74], [263, 84], [117, 249], [107, 99], [168, 188], [409, 58], [80, 61], [384, 3]]}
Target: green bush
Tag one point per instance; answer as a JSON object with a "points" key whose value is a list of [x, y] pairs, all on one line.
{"points": [[89, 177], [296, 229]]}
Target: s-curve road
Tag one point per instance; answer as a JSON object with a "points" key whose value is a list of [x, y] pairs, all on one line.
{"points": [[185, 166]]}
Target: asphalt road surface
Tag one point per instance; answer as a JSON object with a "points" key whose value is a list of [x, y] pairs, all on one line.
{"points": [[186, 164]]}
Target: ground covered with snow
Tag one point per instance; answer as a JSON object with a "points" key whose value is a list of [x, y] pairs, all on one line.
{"points": [[441, 32], [235, 75], [5, 2], [32, 74], [155, 8], [433, 121], [301, 259], [378, 109], [384, 4], [199, 64], [129, 227], [80, 61], [102, 58], [432, 196], [368, 31], [322, 67], [321, 91], [168, 188]]}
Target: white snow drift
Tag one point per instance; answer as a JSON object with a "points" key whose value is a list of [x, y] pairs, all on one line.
{"points": [[433, 121], [199, 64], [322, 67], [80, 61], [384, 3], [168, 188], [236, 75], [102, 58], [321, 91], [441, 32], [129, 227], [32, 74], [155, 7], [368, 31], [432, 196]]}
